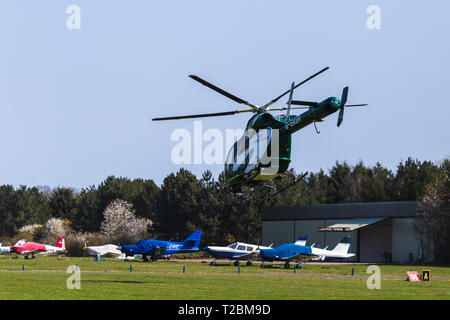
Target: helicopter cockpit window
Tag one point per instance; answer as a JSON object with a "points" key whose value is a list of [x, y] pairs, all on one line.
{"points": [[233, 246], [231, 156]]}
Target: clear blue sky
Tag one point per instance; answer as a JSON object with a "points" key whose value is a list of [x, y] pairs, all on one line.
{"points": [[76, 105]]}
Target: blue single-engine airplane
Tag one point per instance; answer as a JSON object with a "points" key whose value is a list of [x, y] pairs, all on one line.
{"points": [[157, 249], [4, 249], [241, 251], [299, 252]]}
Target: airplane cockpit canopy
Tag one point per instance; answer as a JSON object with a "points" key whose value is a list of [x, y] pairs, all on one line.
{"points": [[20, 242], [233, 245]]}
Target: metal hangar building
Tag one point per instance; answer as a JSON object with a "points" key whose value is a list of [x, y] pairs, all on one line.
{"points": [[380, 231]]}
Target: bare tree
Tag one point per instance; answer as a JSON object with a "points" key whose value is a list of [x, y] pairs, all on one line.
{"points": [[433, 217]]}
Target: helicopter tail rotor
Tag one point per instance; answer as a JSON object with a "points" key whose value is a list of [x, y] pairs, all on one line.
{"points": [[343, 105], [341, 109]]}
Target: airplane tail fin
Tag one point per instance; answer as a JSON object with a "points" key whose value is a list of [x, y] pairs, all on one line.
{"points": [[193, 240], [301, 240], [61, 243], [344, 245]]}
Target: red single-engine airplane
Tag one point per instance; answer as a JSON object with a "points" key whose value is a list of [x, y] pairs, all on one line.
{"points": [[25, 247]]}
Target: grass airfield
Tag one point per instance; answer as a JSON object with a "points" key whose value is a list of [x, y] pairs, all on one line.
{"points": [[45, 277]]}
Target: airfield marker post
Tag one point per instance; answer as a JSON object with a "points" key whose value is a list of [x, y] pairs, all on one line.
{"points": [[353, 271], [239, 270], [184, 269], [295, 269], [23, 267], [131, 268]]}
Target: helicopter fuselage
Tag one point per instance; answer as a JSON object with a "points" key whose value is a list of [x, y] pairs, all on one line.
{"points": [[247, 161]]}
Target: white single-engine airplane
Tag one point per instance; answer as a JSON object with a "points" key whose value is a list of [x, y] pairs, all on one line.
{"points": [[235, 251], [99, 251], [339, 252]]}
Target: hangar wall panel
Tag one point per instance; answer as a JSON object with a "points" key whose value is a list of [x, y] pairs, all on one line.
{"points": [[376, 242], [277, 232], [405, 240], [309, 228]]}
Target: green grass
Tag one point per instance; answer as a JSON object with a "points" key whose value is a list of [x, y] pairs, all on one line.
{"points": [[45, 278]]}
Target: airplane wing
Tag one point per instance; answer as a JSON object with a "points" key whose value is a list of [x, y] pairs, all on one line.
{"points": [[302, 257], [250, 255], [25, 251]]}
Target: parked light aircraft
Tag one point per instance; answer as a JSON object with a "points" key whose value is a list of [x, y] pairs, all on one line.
{"points": [[297, 252], [99, 251], [162, 249], [25, 247], [235, 251], [4, 249]]}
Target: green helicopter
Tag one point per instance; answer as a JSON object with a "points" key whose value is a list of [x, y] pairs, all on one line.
{"points": [[264, 151]]}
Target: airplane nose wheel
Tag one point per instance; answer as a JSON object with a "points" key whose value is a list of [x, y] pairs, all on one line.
{"points": [[286, 265], [236, 263], [249, 263]]}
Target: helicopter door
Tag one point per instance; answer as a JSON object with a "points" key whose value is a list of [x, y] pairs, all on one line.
{"points": [[248, 151]]}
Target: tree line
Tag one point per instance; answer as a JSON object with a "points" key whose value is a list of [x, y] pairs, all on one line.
{"points": [[184, 203]]}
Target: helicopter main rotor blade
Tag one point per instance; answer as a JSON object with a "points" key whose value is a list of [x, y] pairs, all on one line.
{"points": [[304, 103], [285, 93], [215, 114], [356, 105], [285, 108], [223, 92]]}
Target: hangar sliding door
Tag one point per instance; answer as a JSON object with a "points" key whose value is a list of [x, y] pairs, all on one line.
{"points": [[374, 240]]}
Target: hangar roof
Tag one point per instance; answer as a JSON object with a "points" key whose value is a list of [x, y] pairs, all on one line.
{"points": [[351, 224], [398, 209]]}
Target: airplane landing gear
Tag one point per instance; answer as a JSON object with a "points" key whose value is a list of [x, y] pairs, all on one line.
{"points": [[249, 263], [286, 265], [212, 263], [299, 265], [236, 263]]}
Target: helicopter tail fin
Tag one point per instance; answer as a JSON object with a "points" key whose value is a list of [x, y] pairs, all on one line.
{"points": [[288, 112]]}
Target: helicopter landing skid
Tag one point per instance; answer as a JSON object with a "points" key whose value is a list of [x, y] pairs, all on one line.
{"points": [[279, 191]]}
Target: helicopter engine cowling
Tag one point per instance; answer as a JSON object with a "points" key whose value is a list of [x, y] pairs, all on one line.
{"points": [[263, 120]]}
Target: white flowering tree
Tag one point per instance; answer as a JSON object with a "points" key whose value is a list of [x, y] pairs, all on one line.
{"points": [[121, 224], [56, 227]]}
